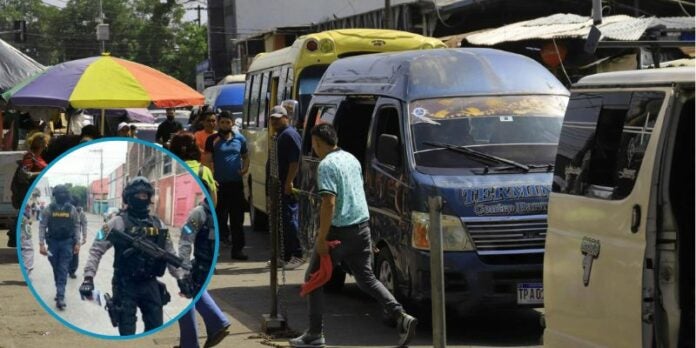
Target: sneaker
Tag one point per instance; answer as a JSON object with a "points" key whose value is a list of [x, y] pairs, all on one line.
{"points": [[406, 325], [217, 337], [308, 340], [73, 276], [294, 263], [239, 255], [60, 303]]}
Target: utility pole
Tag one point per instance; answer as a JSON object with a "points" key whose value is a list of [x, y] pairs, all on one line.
{"points": [[101, 176], [102, 29], [387, 14], [198, 9]]}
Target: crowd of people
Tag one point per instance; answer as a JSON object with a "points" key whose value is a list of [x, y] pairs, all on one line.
{"points": [[214, 148]]}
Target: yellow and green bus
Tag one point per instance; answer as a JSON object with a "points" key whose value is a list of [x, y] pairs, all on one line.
{"points": [[293, 73]]}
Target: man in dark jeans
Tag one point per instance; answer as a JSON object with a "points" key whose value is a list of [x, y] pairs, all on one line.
{"points": [[288, 152], [226, 154], [344, 217]]}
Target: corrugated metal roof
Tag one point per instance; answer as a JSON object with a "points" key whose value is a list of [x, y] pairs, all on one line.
{"points": [[640, 77], [560, 25]]}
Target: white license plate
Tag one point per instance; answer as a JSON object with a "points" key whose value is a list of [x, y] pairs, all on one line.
{"points": [[530, 293]]}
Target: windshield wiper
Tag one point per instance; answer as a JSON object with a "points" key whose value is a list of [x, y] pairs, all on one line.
{"points": [[478, 155], [546, 167]]}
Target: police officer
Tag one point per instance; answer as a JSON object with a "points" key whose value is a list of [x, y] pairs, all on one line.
{"points": [[134, 283], [59, 228], [198, 235], [83, 229]]}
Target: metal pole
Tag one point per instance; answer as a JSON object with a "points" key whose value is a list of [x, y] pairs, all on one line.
{"points": [[437, 279], [101, 179], [273, 322], [199, 15], [101, 21]]}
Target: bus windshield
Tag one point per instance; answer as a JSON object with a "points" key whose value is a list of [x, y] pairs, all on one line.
{"points": [[523, 129], [308, 81]]}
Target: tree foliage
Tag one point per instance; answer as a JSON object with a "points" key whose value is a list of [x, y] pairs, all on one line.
{"points": [[150, 32]]}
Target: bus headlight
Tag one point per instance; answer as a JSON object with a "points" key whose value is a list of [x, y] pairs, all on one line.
{"points": [[326, 46], [311, 45], [454, 235]]}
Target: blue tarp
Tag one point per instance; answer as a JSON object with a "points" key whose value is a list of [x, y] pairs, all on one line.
{"points": [[230, 95]]}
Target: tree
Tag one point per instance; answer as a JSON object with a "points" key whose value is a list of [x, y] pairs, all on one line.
{"points": [[190, 48], [79, 194], [39, 18], [149, 32]]}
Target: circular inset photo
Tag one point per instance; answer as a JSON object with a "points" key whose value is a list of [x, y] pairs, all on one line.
{"points": [[117, 237]]}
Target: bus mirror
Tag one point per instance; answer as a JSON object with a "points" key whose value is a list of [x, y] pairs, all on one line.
{"points": [[388, 150], [293, 109]]}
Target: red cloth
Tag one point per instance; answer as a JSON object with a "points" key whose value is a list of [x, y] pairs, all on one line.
{"points": [[321, 276], [33, 163]]}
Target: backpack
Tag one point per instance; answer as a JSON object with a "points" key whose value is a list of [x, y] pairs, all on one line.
{"points": [[21, 180]]}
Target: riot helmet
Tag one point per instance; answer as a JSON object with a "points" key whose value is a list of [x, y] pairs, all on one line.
{"points": [[138, 205], [61, 194]]}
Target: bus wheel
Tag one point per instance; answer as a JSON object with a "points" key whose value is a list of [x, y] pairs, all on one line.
{"points": [[385, 271], [259, 220], [338, 279]]}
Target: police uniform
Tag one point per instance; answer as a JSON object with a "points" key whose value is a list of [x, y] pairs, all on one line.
{"points": [[60, 230], [134, 283], [76, 258], [198, 236]]}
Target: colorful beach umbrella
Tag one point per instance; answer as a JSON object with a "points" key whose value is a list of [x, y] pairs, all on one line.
{"points": [[102, 82]]}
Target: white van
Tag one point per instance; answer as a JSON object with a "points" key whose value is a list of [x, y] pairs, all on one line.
{"points": [[619, 262]]}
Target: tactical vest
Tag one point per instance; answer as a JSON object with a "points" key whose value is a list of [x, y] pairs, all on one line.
{"points": [[203, 250], [204, 247], [131, 263], [60, 224]]}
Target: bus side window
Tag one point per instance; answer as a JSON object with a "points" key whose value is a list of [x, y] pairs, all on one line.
{"points": [[282, 82], [264, 95], [289, 84], [254, 101], [247, 94]]}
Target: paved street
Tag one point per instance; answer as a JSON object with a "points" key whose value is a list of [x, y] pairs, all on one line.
{"points": [[240, 288]]}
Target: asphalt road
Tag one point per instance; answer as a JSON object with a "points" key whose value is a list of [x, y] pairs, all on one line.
{"points": [[351, 318], [89, 315]]}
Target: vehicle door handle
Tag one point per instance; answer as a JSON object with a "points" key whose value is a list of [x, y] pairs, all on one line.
{"points": [[635, 218], [590, 250]]}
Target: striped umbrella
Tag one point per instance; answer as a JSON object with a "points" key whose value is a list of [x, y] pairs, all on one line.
{"points": [[102, 82]]}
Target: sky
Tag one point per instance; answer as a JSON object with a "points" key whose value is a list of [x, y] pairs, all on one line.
{"points": [[191, 15], [82, 165]]}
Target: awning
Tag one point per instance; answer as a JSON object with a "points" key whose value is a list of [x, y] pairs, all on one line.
{"points": [[571, 26], [15, 66]]}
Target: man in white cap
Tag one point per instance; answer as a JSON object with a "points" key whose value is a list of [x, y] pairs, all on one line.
{"points": [[124, 130], [288, 142]]}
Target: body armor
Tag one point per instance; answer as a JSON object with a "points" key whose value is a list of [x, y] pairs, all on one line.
{"points": [[131, 263], [60, 224]]}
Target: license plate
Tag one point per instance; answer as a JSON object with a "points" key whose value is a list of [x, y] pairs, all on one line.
{"points": [[530, 293]]}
